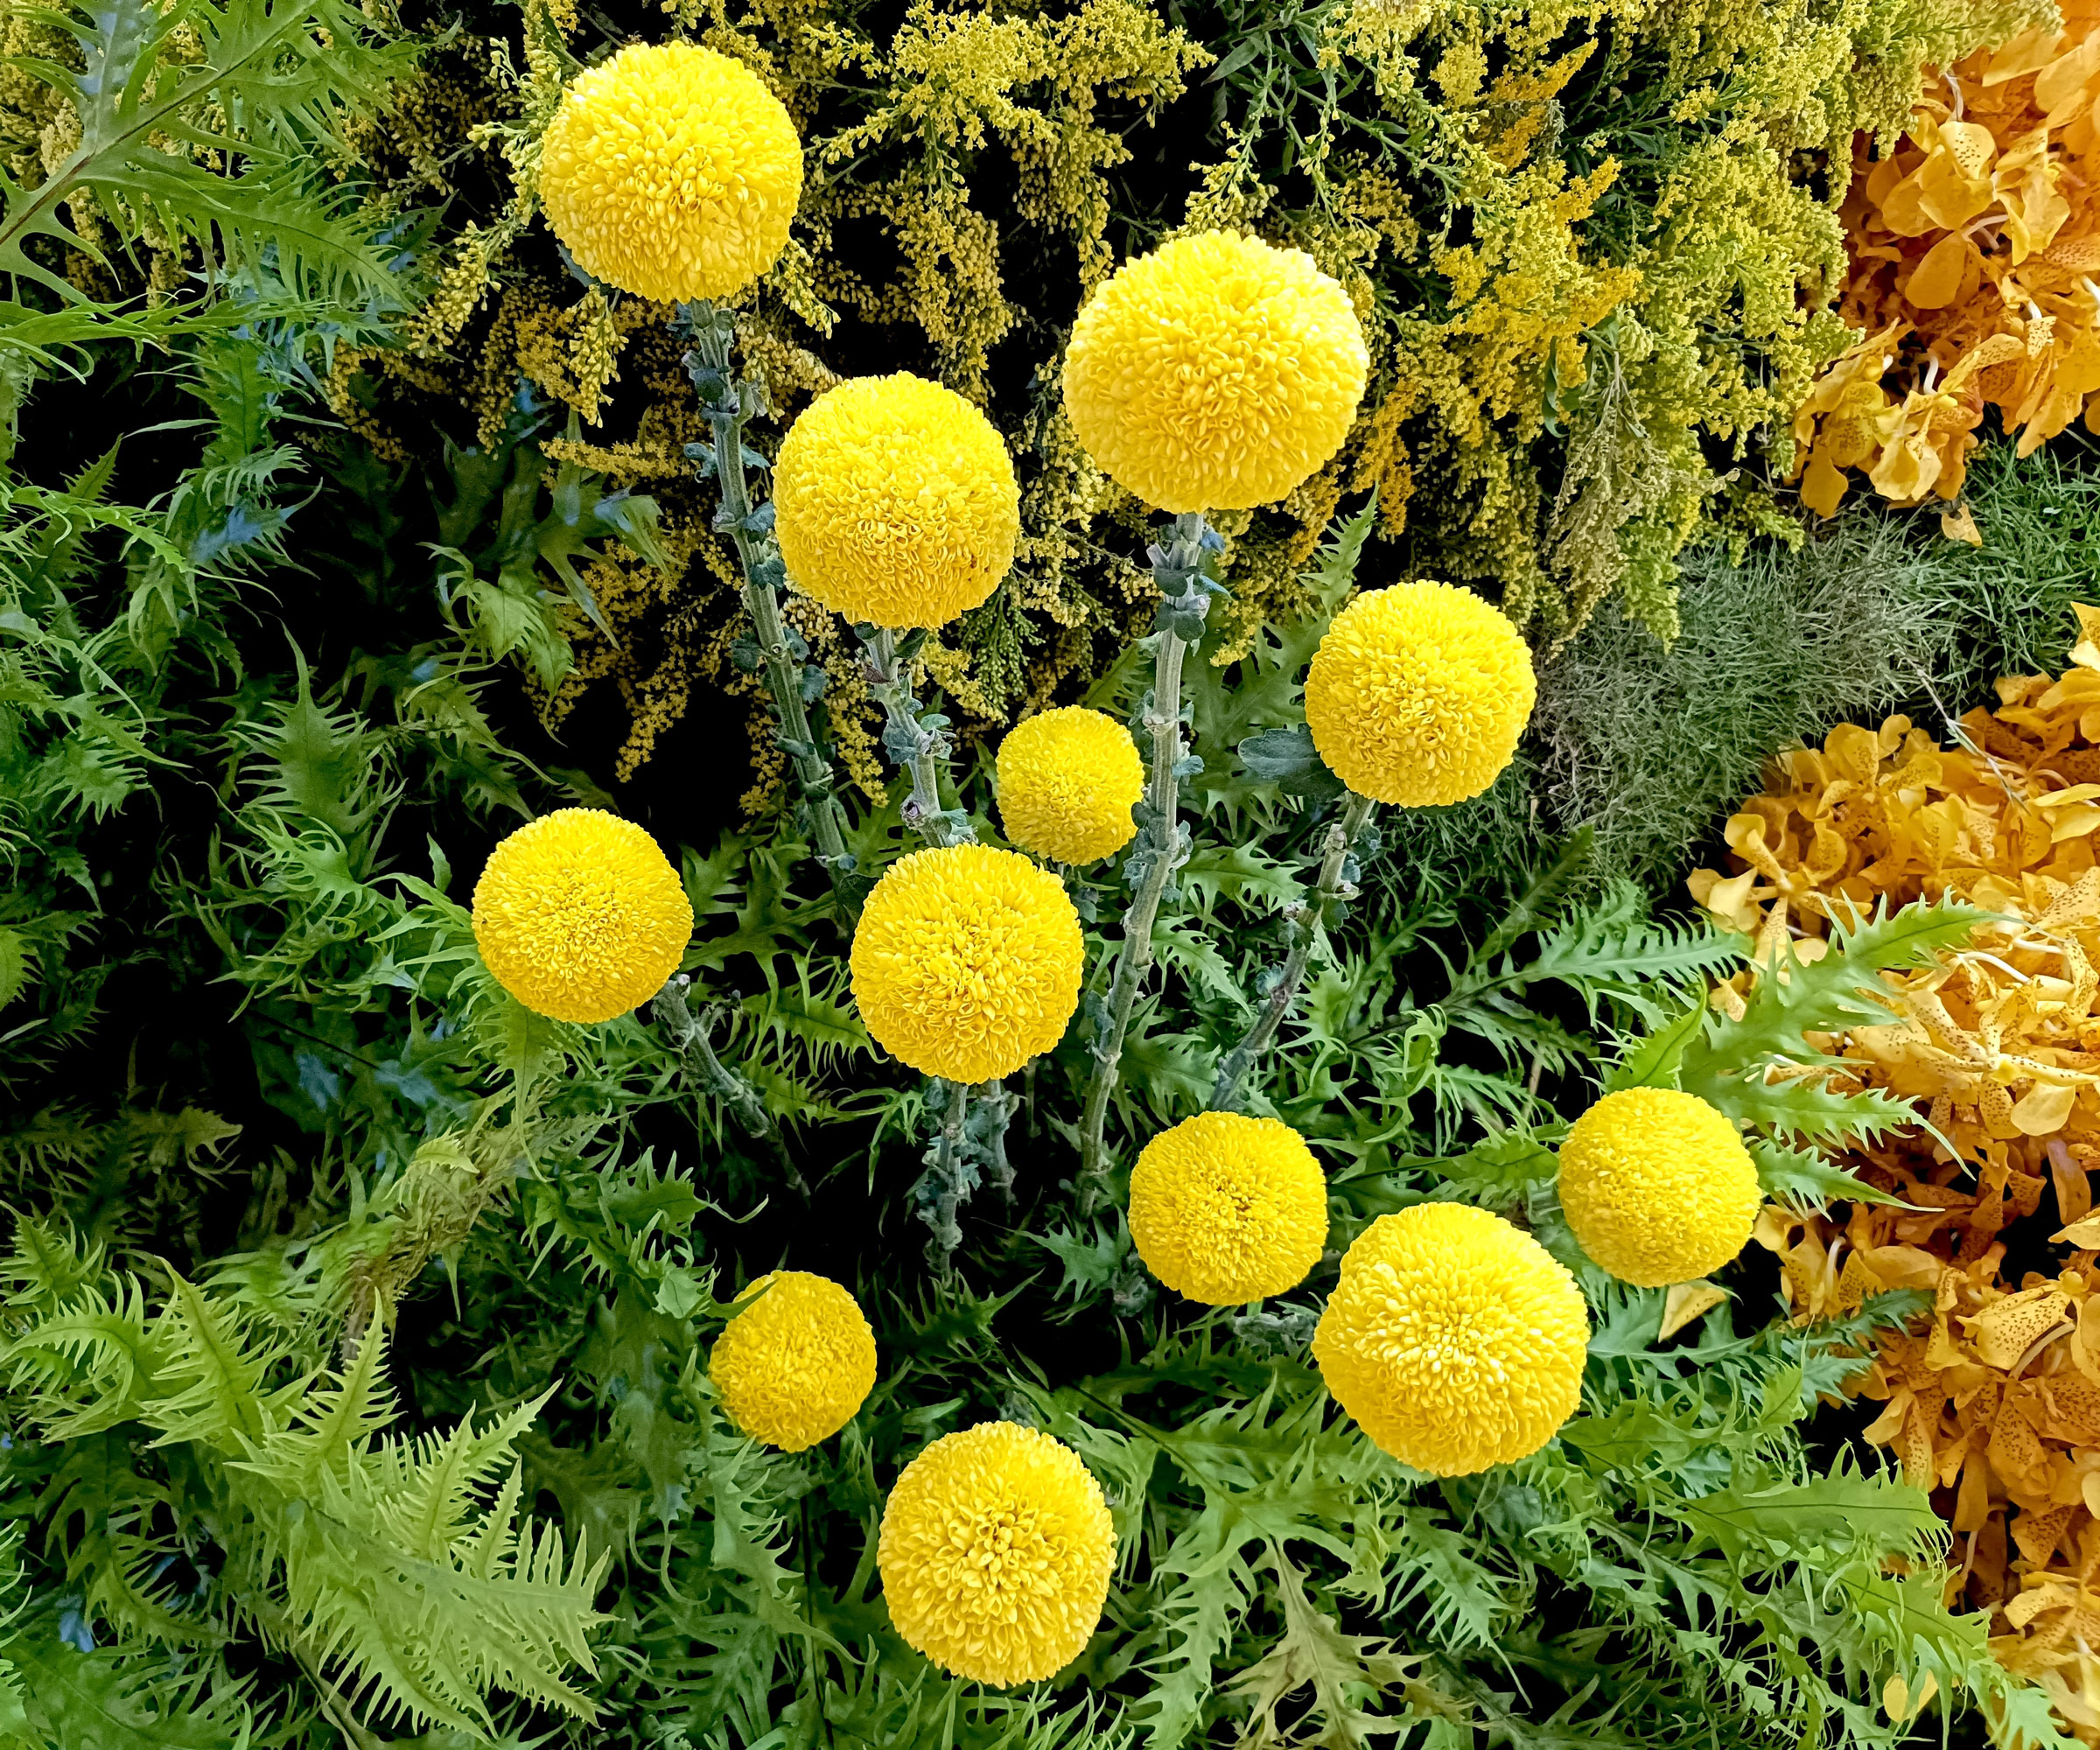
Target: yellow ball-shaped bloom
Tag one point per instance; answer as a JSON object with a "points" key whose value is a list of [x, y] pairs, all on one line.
{"points": [[1216, 373], [894, 501], [967, 962], [1658, 1186], [1418, 694], [996, 1552], [1067, 780], [1226, 1208], [580, 916], [672, 172], [1453, 1337], [796, 1364]]}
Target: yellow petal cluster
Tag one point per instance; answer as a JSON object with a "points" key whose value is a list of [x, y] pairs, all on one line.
{"points": [[1658, 1186], [1974, 273], [1226, 1208], [1418, 694], [1067, 780], [580, 916], [895, 501], [671, 172], [1217, 372], [967, 960], [1454, 1338], [796, 1364], [996, 1552]]}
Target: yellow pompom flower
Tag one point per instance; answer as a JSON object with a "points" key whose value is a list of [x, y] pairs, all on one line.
{"points": [[894, 500], [1216, 373], [1067, 780], [1454, 1339], [580, 916], [1226, 1208], [1418, 694], [1658, 1186], [967, 962], [996, 1552], [796, 1364], [672, 172]]}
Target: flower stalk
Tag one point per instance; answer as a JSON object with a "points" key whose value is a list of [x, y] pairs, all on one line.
{"points": [[1162, 844], [727, 404], [1302, 925], [919, 745]]}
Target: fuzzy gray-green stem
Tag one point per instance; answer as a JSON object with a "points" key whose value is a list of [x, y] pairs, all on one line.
{"points": [[920, 750], [1302, 926], [1177, 565], [1000, 1106], [950, 1190], [727, 410], [687, 1033]]}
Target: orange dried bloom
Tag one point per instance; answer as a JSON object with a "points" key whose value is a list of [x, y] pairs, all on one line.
{"points": [[1992, 1400], [1975, 273]]}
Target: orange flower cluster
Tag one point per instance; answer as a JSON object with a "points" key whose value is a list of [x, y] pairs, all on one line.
{"points": [[1975, 273], [1994, 1404]]}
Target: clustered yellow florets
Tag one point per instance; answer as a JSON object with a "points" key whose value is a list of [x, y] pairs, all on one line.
{"points": [[895, 501], [1216, 373], [671, 172], [1658, 1186], [1226, 1208], [1067, 780], [580, 916], [1418, 694], [796, 1364], [996, 1552], [967, 962], [1454, 1338]]}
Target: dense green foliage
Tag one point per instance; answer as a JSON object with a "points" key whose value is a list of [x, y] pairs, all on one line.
{"points": [[356, 1321]]}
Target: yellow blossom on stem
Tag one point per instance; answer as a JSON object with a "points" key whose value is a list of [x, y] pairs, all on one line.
{"points": [[580, 916], [895, 503], [1216, 373], [1066, 781], [1226, 1208], [996, 1552], [796, 1364], [1454, 1338], [672, 172], [1418, 694], [966, 963]]}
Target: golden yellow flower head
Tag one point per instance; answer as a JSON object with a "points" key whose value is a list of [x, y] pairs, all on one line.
{"points": [[1418, 694], [1066, 781], [796, 1365], [1454, 1339], [672, 172], [967, 962], [894, 501], [1658, 1185], [1216, 373], [996, 1552], [1226, 1208], [580, 916]]}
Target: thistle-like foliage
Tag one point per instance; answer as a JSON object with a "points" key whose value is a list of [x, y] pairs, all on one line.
{"points": [[208, 124], [397, 1569]]}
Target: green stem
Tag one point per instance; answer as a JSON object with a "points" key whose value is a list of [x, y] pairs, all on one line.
{"points": [[948, 1190], [1177, 564], [727, 404], [687, 1034], [1302, 926], [921, 748], [1001, 1105]]}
